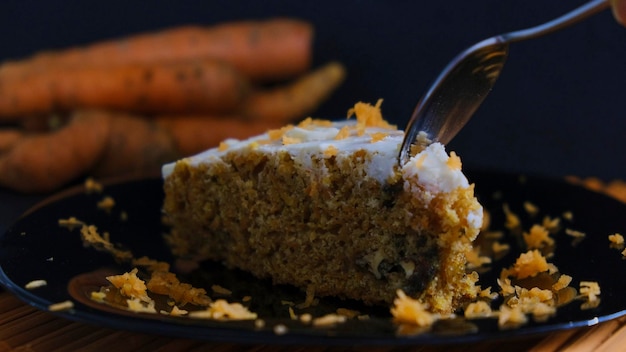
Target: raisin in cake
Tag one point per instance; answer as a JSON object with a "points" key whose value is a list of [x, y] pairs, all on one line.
{"points": [[325, 206]]}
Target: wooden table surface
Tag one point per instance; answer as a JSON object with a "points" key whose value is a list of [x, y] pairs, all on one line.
{"points": [[24, 328]]}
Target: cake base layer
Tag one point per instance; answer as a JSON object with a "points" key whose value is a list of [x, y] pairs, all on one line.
{"points": [[326, 228]]}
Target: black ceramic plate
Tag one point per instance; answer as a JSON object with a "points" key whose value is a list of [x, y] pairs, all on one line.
{"points": [[35, 247]]}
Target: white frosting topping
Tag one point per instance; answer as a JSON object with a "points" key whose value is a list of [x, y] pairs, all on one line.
{"points": [[433, 170], [431, 167]]}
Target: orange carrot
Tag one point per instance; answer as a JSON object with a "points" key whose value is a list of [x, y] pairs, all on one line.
{"points": [[135, 146], [8, 138], [295, 99], [193, 134], [262, 50], [199, 86], [43, 162]]}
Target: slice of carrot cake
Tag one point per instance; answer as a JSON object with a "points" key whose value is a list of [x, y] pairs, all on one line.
{"points": [[325, 206]]}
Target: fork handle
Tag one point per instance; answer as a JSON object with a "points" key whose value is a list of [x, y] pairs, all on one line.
{"points": [[572, 17]]}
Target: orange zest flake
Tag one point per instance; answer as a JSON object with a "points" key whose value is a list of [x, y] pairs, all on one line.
{"points": [[407, 310], [512, 220], [616, 238], [222, 147], [290, 140], [343, 133], [529, 264], [562, 282], [454, 162], [130, 285], [378, 136], [330, 151], [537, 237], [277, 134], [310, 122], [369, 116]]}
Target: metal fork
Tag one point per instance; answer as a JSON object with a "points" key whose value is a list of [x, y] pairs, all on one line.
{"points": [[465, 82]]}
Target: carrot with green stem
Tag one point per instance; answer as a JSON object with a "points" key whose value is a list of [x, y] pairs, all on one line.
{"points": [[261, 50], [170, 87]]}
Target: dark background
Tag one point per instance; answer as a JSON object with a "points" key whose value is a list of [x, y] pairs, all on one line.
{"points": [[559, 108]]}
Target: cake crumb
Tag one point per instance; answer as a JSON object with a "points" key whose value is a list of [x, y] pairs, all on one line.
{"points": [[531, 208], [568, 215], [137, 305], [107, 203], [407, 310], [512, 221], [223, 310], [70, 223], [562, 282], [529, 264], [499, 248], [574, 233], [91, 186], [590, 290], [329, 320], [478, 309], [306, 318], [221, 290], [511, 317], [348, 313], [616, 239], [551, 224], [280, 329], [35, 284], [61, 306], [538, 237], [130, 285]]}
